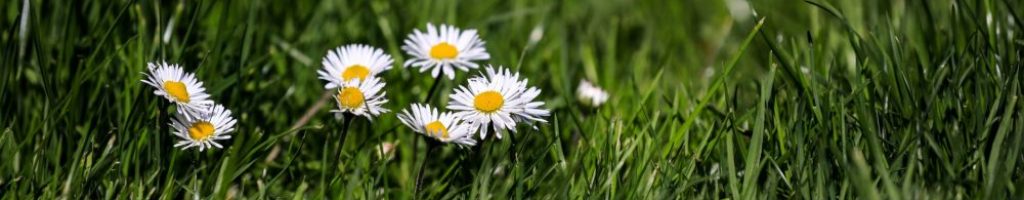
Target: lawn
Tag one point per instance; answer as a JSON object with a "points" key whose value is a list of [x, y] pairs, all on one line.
{"points": [[737, 99]]}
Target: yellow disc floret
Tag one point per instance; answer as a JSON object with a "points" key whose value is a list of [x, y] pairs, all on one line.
{"points": [[201, 131], [488, 102], [437, 129], [350, 98], [177, 90], [355, 71], [443, 50]]}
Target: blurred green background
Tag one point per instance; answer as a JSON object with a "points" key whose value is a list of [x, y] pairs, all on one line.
{"points": [[823, 99]]}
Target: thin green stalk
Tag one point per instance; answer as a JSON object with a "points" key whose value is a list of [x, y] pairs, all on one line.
{"points": [[328, 164], [433, 87], [344, 134], [423, 165]]}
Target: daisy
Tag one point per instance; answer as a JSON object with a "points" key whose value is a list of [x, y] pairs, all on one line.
{"points": [[362, 98], [178, 86], [350, 62], [204, 129], [440, 50], [590, 95], [445, 127], [498, 99]]}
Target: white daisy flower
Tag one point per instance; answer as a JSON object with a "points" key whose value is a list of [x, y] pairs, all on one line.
{"points": [[354, 61], [178, 86], [444, 49], [362, 98], [498, 99], [445, 127], [204, 129], [590, 95]]}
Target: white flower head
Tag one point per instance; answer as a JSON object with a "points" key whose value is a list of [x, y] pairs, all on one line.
{"points": [[204, 129], [445, 127], [352, 62], [590, 95], [535, 35], [441, 50], [497, 99], [361, 98], [386, 150], [178, 86]]}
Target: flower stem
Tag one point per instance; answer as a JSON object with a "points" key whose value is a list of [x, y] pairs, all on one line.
{"points": [[344, 134], [344, 130], [329, 163], [433, 88], [512, 151], [423, 165]]}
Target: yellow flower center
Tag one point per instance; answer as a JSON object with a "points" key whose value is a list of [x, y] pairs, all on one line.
{"points": [[437, 129], [444, 51], [488, 101], [350, 97], [355, 71], [201, 131], [177, 90]]}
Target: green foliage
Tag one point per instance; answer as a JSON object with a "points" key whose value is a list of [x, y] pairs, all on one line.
{"points": [[822, 99]]}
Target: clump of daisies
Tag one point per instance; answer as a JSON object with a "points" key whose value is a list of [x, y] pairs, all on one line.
{"points": [[352, 71], [199, 122], [590, 95], [443, 49], [497, 100]]}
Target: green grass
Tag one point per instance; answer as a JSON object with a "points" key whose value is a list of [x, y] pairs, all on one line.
{"points": [[822, 99]]}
